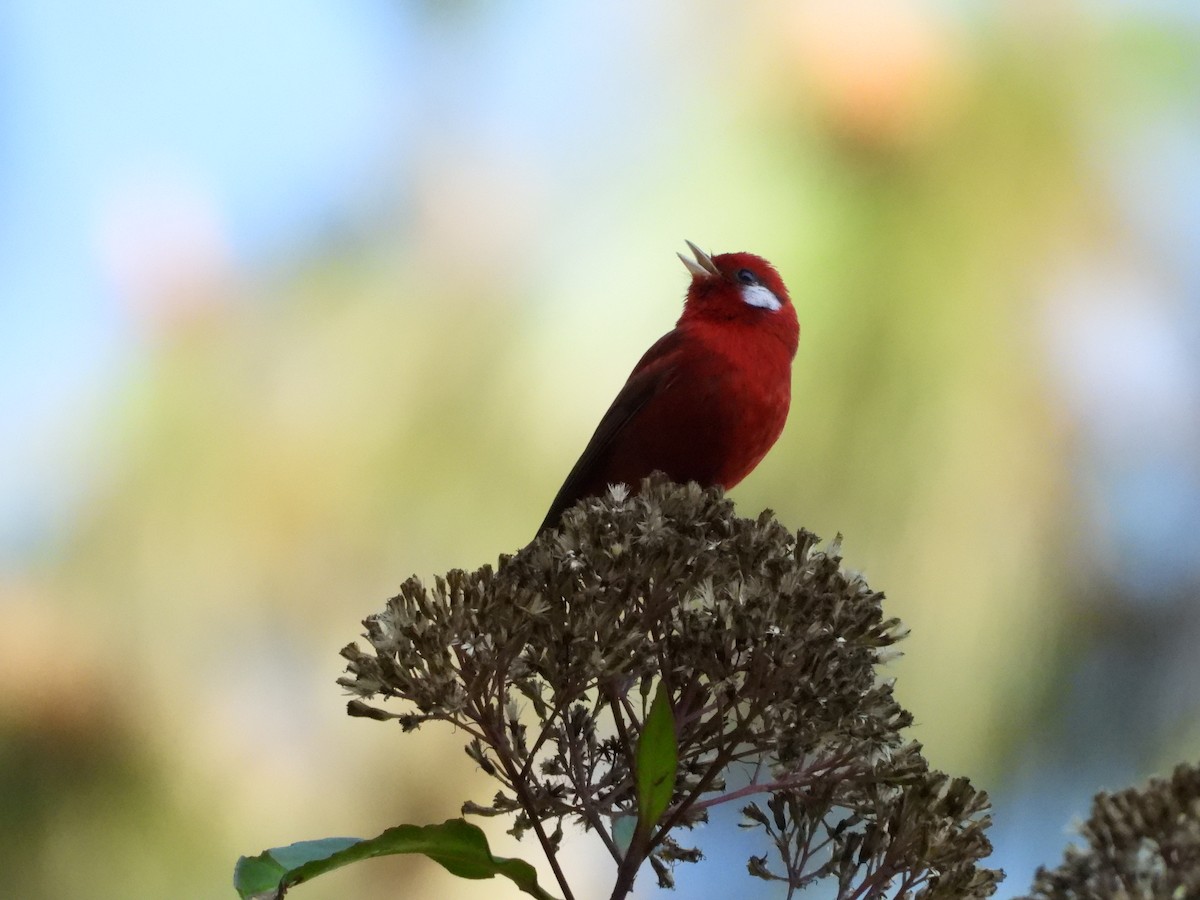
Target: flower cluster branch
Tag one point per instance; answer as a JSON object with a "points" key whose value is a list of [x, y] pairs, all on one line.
{"points": [[767, 649], [1141, 842]]}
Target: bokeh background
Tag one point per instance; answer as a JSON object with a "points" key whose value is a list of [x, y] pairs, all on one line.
{"points": [[297, 299]]}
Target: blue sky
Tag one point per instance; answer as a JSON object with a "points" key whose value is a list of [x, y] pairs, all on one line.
{"points": [[280, 111]]}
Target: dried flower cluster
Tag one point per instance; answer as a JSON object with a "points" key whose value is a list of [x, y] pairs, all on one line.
{"points": [[1142, 843], [767, 650]]}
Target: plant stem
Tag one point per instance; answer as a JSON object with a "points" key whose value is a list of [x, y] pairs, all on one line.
{"points": [[583, 792], [635, 855], [492, 722], [521, 790]]}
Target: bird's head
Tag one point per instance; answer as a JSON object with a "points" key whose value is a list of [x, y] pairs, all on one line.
{"points": [[740, 287]]}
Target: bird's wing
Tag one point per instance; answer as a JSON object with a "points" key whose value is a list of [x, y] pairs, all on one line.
{"points": [[654, 371]]}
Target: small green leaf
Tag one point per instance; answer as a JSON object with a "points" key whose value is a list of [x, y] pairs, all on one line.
{"points": [[457, 845], [259, 875], [657, 760]]}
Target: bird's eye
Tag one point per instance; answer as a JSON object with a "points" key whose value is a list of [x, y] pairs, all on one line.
{"points": [[745, 276]]}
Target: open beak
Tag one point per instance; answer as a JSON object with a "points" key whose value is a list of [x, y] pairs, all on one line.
{"points": [[703, 266]]}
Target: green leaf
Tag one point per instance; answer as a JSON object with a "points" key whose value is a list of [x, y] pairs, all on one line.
{"points": [[457, 845], [656, 761]]}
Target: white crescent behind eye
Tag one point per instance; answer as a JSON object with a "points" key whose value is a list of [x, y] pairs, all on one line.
{"points": [[761, 296]]}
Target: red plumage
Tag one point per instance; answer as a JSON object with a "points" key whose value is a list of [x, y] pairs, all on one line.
{"points": [[708, 400]]}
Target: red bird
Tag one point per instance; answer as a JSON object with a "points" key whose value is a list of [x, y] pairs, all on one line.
{"points": [[709, 399]]}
